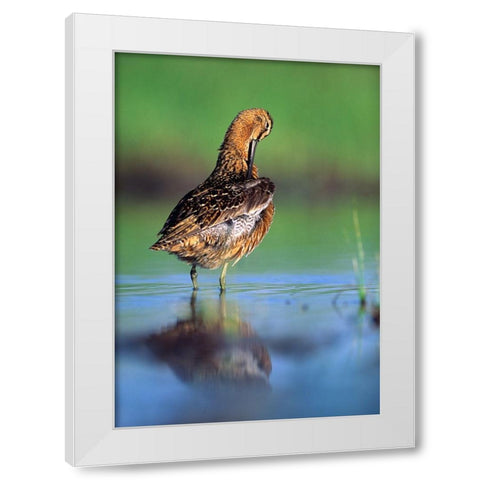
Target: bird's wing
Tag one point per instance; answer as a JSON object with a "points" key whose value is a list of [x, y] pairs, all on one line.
{"points": [[208, 206]]}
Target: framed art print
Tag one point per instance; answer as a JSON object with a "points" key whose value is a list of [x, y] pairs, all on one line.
{"points": [[240, 240]]}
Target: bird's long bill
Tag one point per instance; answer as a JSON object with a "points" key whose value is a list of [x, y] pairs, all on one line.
{"points": [[251, 156]]}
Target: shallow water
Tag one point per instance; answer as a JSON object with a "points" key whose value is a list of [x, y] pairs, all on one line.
{"points": [[287, 340]]}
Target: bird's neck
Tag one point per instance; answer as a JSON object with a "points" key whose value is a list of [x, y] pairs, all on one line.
{"points": [[233, 155]]}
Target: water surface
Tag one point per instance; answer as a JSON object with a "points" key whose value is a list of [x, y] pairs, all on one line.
{"points": [[287, 340]]}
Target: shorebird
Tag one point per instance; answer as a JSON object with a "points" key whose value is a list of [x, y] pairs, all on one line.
{"points": [[227, 215]]}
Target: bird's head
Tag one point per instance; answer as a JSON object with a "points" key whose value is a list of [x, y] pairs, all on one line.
{"points": [[256, 122]]}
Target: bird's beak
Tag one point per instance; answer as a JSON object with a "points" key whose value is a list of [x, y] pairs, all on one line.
{"points": [[251, 155]]}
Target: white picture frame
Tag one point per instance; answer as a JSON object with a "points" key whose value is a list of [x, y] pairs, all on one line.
{"points": [[91, 438]]}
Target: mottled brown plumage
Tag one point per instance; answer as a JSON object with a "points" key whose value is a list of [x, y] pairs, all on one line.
{"points": [[226, 216]]}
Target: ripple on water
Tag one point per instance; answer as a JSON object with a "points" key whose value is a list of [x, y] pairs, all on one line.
{"points": [[274, 346]]}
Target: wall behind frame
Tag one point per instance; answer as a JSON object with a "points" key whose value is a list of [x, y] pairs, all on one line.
{"points": [[32, 197]]}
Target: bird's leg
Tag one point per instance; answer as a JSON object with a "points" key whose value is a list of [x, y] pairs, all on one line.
{"points": [[222, 277], [193, 276]]}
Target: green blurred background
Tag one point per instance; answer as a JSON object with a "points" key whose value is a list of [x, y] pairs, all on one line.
{"points": [[171, 113]]}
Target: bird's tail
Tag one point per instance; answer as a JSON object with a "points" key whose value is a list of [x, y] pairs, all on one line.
{"points": [[158, 245]]}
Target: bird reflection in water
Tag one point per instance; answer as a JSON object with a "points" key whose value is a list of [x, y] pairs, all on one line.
{"points": [[213, 347]]}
